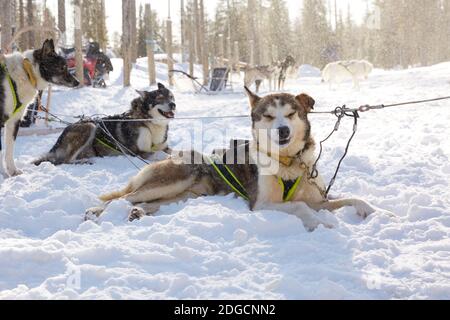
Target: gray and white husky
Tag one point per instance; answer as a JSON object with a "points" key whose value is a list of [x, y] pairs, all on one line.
{"points": [[21, 76], [270, 180], [88, 139]]}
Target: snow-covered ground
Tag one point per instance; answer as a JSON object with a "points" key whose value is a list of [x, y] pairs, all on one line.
{"points": [[215, 247]]}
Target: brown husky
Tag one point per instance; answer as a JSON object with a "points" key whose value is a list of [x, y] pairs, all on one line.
{"points": [[269, 178]]}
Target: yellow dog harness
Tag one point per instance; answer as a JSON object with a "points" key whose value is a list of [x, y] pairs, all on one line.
{"points": [[289, 188], [19, 106]]}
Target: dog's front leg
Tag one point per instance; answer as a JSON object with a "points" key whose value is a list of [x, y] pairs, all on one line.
{"points": [[363, 208], [11, 130], [299, 209]]}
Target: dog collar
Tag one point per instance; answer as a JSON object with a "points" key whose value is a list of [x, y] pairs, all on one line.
{"points": [[28, 67], [286, 161]]}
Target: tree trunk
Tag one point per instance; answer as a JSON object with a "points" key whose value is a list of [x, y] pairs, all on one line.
{"points": [[169, 52], [133, 31], [236, 58], [183, 31], [78, 40], [6, 21], [102, 34], [126, 42], [191, 39], [198, 30], [149, 37], [62, 20], [203, 33], [22, 41], [30, 22]]}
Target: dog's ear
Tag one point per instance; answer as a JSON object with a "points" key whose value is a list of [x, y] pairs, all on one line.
{"points": [[306, 102], [253, 98], [48, 47], [142, 94], [161, 86]]}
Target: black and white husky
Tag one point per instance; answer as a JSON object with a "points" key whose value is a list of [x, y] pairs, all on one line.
{"points": [[111, 136], [269, 178], [21, 76]]}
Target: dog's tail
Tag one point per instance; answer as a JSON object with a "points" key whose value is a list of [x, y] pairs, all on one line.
{"points": [[116, 194]]}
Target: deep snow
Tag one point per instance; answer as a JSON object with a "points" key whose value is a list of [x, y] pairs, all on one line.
{"points": [[215, 247]]}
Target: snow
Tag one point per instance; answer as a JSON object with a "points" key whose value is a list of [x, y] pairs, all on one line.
{"points": [[215, 247]]}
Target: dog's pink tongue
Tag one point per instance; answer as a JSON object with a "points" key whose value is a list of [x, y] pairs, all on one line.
{"points": [[171, 114]]}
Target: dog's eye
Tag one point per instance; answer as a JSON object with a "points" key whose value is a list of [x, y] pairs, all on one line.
{"points": [[269, 117], [292, 115]]}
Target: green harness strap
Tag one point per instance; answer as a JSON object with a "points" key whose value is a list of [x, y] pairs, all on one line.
{"points": [[289, 188], [18, 106], [113, 148], [229, 178], [107, 145]]}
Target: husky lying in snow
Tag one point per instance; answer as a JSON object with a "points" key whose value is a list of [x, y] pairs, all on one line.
{"points": [[21, 76], [285, 185], [86, 139], [356, 70]]}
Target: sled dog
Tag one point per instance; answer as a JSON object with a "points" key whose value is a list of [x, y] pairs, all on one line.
{"points": [[111, 136], [337, 72], [285, 68], [258, 74], [21, 77], [278, 179]]}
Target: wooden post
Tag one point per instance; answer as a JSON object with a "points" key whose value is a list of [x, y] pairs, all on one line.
{"points": [[252, 53], [149, 44], [30, 22], [229, 47], [169, 51], [126, 42], [183, 31], [102, 26], [133, 31], [236, 58], [191, 39], [6, 21], [48, 105], [204, 42], [198, 31], [22, 42], [62, 20], [221, 50], [78, 41]]}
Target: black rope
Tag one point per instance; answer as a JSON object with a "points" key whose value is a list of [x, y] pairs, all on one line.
{"points": [[340, 113], [355, 116], [122, 148], [55, 116]]}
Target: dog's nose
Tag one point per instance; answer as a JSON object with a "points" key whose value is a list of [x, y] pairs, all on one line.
{"points": [[172, 106], [284, 133]]}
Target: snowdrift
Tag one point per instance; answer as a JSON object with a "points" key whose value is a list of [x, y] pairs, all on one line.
{"points": [[215, 247]]}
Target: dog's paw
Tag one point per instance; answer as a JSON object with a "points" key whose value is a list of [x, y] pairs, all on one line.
{"points": [[136, 214], [363, 209], [93, 214]]}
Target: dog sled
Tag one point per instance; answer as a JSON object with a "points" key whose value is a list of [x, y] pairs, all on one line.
{"points": [[219, 82]]}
